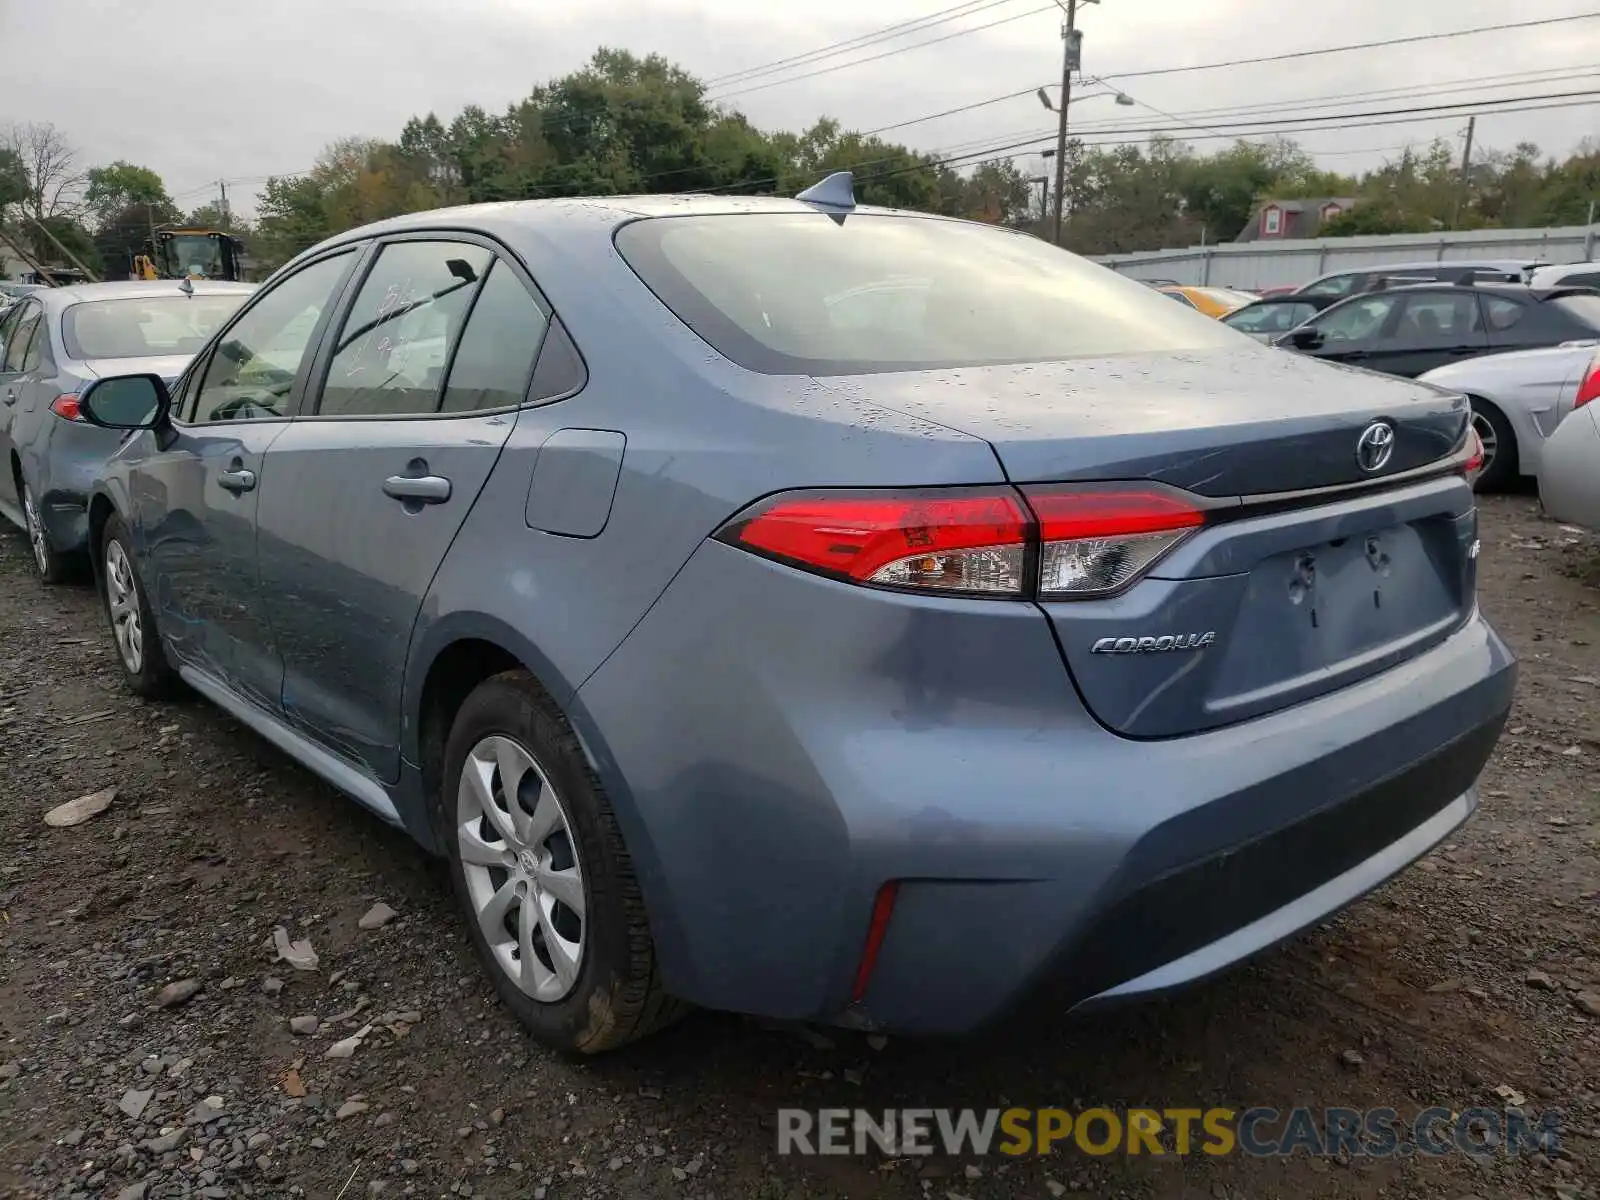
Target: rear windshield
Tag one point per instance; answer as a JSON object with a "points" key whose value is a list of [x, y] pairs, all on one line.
{"points": [[144, 326], [812, 294], [1585, 309]]}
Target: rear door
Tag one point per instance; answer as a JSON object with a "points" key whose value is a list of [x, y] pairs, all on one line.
{"points": [[369, 488], [1429, 329]]}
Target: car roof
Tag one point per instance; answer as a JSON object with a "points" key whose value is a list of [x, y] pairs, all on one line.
{"points": [[1494, 264], [553, 219], [56, 299]]}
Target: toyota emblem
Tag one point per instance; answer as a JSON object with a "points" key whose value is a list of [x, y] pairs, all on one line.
{"points": [[1375, 446]]}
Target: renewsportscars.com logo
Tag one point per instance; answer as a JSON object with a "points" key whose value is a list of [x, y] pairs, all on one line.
{"points": [[1259, 1132]]}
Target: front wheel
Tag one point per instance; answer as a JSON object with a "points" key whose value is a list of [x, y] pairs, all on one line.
{"points": [[133, 626], [537, 860]]}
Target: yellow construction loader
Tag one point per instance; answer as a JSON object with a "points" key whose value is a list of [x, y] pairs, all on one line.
{"points": [[189, 253]]}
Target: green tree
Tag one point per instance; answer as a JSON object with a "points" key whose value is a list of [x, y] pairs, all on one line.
{"points": [[119, 186]]}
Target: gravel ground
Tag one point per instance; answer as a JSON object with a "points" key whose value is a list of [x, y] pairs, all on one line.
{"points": [[152, 1044]]}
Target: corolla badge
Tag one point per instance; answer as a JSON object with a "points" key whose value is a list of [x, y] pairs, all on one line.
{"points": [[1148, 645], [1375, 446]]}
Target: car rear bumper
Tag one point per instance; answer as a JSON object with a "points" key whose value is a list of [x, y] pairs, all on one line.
{"points": [[779, 747], [1569, 476]]}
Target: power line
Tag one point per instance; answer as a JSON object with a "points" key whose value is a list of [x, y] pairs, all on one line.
{"points": [[1313, 53], [856, 62], [1296, 107], [887, 33]]}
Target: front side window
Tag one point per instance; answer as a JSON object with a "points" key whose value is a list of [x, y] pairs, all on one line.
{"points": [[145, 326], [253, 368], [1356, 320], [1269, 318], [392, 350], [806, 294]]}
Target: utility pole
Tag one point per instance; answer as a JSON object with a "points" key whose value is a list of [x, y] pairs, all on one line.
{"points": [[222, 208], [76, 261], [1069, 48], [39, 268], [1466, 162], [1044, 195]]}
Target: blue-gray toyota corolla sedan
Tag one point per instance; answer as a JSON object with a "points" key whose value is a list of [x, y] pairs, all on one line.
{"points": [[813, 611]]}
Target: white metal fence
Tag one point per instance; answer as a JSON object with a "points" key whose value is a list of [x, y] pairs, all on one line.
{"points": [[1270, 264]]}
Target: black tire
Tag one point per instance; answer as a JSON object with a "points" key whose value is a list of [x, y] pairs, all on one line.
{"points": [[52, 565], [1500, 471], [154, 677], [617, 996]]}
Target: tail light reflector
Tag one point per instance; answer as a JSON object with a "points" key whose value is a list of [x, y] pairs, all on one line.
{"points": [[1097, 541], [1474, 464], [1053, 542], [65, 406], [1589, 389], [951, 540], [882, 910]]}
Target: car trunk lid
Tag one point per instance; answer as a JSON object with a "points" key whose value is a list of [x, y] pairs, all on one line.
{"points": [[1300, 580]]}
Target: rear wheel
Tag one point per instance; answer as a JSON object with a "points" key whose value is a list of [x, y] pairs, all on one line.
{"points": [[53, 566], [133, 626], [553, 908], [1499, 447]]}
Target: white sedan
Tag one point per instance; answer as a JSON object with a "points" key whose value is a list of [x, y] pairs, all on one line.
{"points": [[1518, 400]]}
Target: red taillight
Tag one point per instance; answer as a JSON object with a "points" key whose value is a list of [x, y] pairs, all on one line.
{"points": [[66, 407], [1087, 541], [1095, 541], [949, 540], [1474, 463], [882, 910], [1589, 389]]}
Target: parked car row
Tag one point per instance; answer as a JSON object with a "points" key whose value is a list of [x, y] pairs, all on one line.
{"points": [[53, 342], [753, 599]]}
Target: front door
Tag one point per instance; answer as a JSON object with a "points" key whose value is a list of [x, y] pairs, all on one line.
{"points": [[369, 487], [1351, 331], [199, 492], [17, 330]]}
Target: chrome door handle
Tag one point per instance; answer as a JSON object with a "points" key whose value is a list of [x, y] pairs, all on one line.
{"points": [[423, 489], [238, 480]]}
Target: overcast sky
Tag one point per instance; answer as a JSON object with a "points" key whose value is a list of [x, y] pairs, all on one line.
{"points": [[240, 89]]}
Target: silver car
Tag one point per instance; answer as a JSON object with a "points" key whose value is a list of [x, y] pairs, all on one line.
{"points": [[1569, 477], [1518, 400], [52, 344]]}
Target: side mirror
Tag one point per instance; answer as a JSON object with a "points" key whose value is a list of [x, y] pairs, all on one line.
{"points": [[1304, 338], [125, 402]]}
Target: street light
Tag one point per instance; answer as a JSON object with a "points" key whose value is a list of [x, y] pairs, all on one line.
{"points": [[1123, 99]]}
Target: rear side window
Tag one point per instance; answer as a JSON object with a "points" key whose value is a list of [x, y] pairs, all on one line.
{"points": [[394, 345], [1334, 285], [811, 294], [1438, 315], [1582, 279], [495, 359], [1585, 310], [1501, 313], [145, 326]]}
